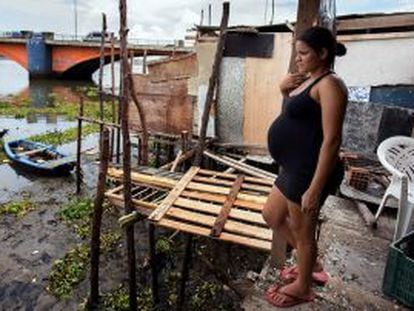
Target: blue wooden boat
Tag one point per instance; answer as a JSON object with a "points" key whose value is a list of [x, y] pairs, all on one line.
{"points": [[38, 158]]}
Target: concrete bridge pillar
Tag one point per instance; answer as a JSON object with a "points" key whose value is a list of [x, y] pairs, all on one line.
{"points": [[39, 57]]}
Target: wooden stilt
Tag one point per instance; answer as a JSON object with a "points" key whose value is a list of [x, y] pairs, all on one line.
{"points": [[185, 271], [79, 147], [212, 84], [157, 154], [144, 144], [101, 65], [97, 219], [124, 103], [144, 62], [153, 262], [114, 116]]}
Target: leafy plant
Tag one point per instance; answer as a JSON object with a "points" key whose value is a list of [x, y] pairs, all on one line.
{"points": [[19, 208]]}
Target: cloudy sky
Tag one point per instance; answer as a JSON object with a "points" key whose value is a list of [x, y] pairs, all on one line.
{"points": [[160, 19]]}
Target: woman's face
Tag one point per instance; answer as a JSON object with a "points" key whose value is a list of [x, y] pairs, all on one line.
{"points": [[307, 59]]}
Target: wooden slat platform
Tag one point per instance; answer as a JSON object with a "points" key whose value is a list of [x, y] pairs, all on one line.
{"points": [[194, 203]]}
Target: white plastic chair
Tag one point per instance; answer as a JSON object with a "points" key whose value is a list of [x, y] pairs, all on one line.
{"points": [[396, 154]]}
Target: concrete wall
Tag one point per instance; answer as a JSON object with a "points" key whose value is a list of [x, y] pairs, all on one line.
{"points": [[377, 62]]}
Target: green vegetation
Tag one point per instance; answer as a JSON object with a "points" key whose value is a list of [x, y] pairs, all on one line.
{"points": [[21, 108], [204, 295], [118, 300], [77, 215], [62, 137], [69, 271], [19, 208]]}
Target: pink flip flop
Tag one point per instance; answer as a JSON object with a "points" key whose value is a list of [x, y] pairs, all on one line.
{"points": [[291, 273], [288, 300]]}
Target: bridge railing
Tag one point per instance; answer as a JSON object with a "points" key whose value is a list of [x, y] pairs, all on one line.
{"points": [[134, 41]]}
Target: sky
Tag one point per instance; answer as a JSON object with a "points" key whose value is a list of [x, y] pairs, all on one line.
{"points": [[161, 19]]}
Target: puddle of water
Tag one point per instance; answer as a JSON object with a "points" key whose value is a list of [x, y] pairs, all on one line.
{"points": [[13, 179]]}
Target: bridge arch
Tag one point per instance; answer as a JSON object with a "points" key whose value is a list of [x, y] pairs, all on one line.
{"points": [[85, 68], [15, 52]]}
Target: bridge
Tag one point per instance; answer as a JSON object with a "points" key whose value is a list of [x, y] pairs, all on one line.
{"points": [[47, 56]]}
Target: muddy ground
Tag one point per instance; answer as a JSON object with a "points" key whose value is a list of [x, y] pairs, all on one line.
{"points": [[31, 244]]}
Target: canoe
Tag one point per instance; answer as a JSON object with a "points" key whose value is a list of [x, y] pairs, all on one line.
{"points": [[39, 158]]}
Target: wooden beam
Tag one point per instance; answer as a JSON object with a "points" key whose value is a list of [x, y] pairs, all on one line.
{"points": [[174, 194], [230, 226], [307, 16], [212, 84], [225, 210], [229, 237], [165, 182], [376, 36], [374, 22]]}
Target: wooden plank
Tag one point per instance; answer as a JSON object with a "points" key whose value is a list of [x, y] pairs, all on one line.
{"points": [[373, 22], [376, 36], [261, 181], [250, 242], [230, 226], [240, 167], [174, 194], [220, 199], [246, 186], [225, 210], [214, 209], [31, 152], [170, 183], [146, 208], [225, 191]]}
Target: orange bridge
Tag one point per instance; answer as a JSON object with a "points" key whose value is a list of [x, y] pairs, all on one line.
{"points": [[72, 59]]}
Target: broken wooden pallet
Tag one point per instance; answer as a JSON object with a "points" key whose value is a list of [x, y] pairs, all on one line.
{"points": [[203, 202]]}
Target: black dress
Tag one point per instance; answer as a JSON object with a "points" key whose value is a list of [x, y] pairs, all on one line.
{"points": [[294, 142]]}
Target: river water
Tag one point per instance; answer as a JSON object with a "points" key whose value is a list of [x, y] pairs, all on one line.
{"points": [[15, 82]]}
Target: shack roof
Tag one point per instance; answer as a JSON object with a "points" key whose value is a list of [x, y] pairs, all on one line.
{"points": [[346, 24]]}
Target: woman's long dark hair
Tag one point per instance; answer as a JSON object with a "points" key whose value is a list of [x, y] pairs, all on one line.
{"points": [[318, 38]]}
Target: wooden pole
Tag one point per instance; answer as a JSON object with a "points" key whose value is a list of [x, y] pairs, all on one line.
{"points": [[97, 219], [327, 15], [185, 271], [101, 65], [144, 62], [79, 148], [202, 17], [212, 83], [143, 150], [131, 61], [124, 103], [307, 16], [272, 16], [209, 14], [153, 263], [114, 116]]}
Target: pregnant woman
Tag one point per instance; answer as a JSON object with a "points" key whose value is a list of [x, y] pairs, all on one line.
{"points": [[304, 140]]}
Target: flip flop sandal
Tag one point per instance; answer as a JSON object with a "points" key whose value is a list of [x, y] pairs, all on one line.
{"points": [[289, 300], [291, 274]]}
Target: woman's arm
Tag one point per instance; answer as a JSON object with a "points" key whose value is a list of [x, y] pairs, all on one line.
{"points": [[333, 98], [290, 82]]}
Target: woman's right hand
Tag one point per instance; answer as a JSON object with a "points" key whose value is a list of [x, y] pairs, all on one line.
{"points": [[290, 82]]}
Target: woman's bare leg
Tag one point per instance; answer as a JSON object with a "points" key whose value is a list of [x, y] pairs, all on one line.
{"points": [[275, 213], [303, 227]]}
